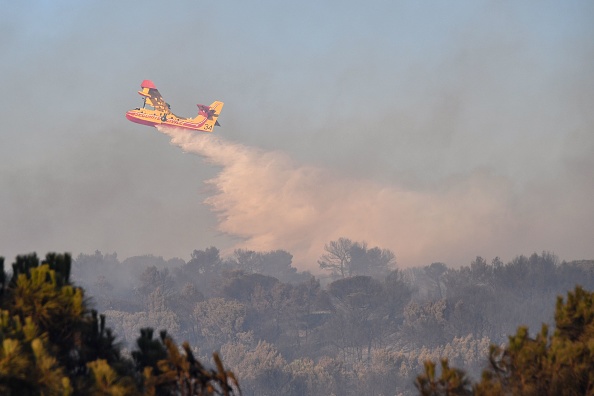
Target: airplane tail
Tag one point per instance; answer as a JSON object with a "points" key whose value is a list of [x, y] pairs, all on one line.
{"points": [[211, 113]]}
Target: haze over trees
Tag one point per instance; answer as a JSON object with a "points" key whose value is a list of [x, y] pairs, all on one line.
{"points": [[282, 331], [367, 329]]}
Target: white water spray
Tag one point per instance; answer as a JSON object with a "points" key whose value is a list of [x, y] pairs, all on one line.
{"points": [[270, 202]]}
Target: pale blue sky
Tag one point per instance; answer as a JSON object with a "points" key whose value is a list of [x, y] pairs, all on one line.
{"points": [[409, 94]]}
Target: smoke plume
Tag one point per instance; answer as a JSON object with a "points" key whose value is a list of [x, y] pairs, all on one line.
{"points": [[270, 202]]}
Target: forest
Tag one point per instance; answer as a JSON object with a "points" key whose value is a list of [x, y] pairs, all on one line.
{"points": [[367, 327]]}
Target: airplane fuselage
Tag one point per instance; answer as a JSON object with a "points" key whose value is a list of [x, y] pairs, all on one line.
{"points": [[154, 118]]}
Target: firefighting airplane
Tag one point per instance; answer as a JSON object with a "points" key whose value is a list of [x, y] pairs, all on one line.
{"points": [[155, 111]]}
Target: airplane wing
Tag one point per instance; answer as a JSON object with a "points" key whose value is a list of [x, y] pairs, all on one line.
{"points": [[152, 96]]}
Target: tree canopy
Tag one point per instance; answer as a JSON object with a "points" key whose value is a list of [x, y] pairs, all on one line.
{"points": [[561, 363], [285, 332], [52, 343], [345, 258]]}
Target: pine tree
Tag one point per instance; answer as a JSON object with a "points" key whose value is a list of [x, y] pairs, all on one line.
{"points": [[561, 363], [451, 382], [51, 343]]}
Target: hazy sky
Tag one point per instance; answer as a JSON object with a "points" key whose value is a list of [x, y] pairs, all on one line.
{"points": [[440, 130]]}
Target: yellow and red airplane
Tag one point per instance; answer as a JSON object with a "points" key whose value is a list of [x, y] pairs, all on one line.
{"points": [[155, 111]]}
